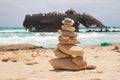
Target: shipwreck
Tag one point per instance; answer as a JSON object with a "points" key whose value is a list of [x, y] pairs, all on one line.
{"points": [[51, 22]]}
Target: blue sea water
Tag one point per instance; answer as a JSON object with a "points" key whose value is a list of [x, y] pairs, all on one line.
{"points": [[18, 35]]}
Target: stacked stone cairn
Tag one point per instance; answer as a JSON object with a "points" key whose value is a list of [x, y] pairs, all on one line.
{"points": [[69, 55]]}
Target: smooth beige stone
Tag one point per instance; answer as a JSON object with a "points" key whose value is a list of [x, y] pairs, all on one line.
{"points": [[79, 61], [63, 39], [60, 54], [68, 28], [65, 63], [68, 33], [31, 62], [71, 49], [67, 22], [67, 40], [89, 67]]}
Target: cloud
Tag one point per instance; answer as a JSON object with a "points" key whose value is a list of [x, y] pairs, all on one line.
{"points": [[105, 10]]}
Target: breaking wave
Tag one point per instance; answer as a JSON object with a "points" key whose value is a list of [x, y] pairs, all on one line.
{"points": [[50, 40]]}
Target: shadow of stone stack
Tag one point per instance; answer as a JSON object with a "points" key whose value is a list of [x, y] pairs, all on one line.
{"points": [[69, 55]]}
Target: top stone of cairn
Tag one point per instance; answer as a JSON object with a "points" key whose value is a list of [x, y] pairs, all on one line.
{"points": [[68, 21]]}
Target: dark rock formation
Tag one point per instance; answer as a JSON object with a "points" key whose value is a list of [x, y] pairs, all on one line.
{"points": [[51, 22]]}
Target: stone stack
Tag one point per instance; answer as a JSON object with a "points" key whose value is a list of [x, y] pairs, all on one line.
{"points": [[69, 55]]}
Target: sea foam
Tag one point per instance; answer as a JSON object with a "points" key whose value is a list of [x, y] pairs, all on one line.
{"points": [[50, 39]]}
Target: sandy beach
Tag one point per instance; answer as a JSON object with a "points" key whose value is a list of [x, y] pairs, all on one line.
{"points": [[33, 64]]}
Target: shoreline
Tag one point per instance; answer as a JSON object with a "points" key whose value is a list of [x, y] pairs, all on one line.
{"points": [[15, 47], [33, 64]]}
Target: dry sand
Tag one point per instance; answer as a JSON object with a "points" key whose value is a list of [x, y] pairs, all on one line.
{"points": [[34, 65]]}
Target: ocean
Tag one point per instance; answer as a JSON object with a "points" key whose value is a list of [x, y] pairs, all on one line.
{"points": [[18, 35]]}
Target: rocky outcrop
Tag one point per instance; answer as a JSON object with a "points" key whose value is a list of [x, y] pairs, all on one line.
{"points": [[51, 22]]}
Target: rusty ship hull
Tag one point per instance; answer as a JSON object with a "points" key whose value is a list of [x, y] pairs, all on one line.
{"points": [[51, 22]]}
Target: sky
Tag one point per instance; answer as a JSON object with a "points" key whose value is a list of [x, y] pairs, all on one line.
{"points": [[12, 12]]}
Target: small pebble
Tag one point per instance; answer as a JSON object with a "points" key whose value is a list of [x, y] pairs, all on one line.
{"points": [[31, 62], [5, 59]]}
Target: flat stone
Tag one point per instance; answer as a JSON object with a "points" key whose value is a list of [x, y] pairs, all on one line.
{"points": [[79, 60], [31, 62], [67, 40], [63, 39], [60, 54], [89, 67], [68, 33], [71, 49], [65, 63], [68, 21], [68, 28]]}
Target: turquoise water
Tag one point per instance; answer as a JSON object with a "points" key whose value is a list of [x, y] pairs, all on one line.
{"points": [[49, 39]]}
